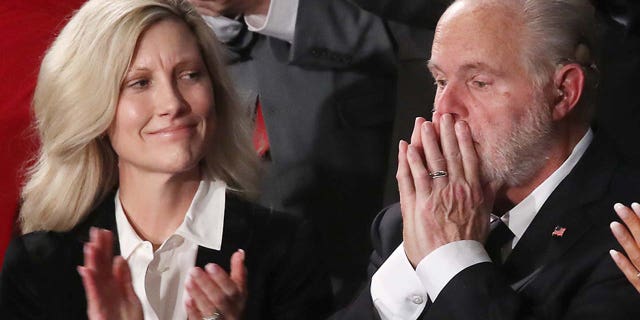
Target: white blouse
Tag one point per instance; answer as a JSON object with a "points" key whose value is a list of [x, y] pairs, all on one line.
{"points": [[158, 277]]}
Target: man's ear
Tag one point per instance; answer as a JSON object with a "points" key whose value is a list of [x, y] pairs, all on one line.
{"points": [[568, 85]]}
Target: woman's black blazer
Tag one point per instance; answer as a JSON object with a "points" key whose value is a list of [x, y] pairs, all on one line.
{"points": [[286, 279]]}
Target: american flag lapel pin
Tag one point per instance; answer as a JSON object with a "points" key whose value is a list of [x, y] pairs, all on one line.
{"points": [[558, 232]]}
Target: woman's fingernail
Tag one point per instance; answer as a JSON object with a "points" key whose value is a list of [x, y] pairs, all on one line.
{"points": [[211, 268]]}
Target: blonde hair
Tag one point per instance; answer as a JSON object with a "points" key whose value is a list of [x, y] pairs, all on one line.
{"points": [[75, 102]]}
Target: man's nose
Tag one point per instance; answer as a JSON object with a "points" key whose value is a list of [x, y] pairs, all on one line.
{"points": [[450, 100]]}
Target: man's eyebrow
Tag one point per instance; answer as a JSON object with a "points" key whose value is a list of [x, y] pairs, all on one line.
{"points": [[466, 67], [478, 66], [432, 66]]}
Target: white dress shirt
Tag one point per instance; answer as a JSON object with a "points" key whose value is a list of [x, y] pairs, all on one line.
{"points": [[158, 277], [280, 22], [400, 292]]}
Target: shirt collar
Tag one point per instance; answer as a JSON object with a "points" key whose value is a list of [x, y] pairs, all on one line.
{"points": [[204, 221], [519, 217], [202, 225]]}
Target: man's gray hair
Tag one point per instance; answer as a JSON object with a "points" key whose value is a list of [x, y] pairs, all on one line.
{"points": [[558, 32], [561, 32]]}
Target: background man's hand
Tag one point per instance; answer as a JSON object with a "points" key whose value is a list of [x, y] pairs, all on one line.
{"points": [[231, 8]]}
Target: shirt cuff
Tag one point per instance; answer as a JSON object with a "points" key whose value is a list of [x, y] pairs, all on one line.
{"points": [[225, 28], [280, 21], [396, 290], [444, 263]]}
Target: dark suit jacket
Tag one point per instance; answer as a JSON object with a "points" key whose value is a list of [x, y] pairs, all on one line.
{"points": [[422, 13], [328, 105], [545, 277], [285, 280], [619, 89]]}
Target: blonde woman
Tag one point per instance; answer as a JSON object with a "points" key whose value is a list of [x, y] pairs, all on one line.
{"points": [[145, 156]]}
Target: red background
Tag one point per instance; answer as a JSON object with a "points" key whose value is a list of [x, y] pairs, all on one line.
{"points": [[26, 30]]}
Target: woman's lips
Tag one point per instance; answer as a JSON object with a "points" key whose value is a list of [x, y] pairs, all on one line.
{"points": [[175, 130]]}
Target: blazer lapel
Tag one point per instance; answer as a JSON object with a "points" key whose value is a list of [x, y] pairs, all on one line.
{"points": [[236, 234], [565, 208], [236, 230], [103, 217]]}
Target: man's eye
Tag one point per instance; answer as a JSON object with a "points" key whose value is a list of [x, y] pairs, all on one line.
{"points": [[440, 83], [480, 84]]}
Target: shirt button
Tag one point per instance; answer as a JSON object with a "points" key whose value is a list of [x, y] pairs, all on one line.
{"points": [[417, 299]]}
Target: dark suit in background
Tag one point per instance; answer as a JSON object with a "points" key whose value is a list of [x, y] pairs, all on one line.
{"points": [[328, 103], [421, 13], [620, 69], [285, 278], [544, 277]]}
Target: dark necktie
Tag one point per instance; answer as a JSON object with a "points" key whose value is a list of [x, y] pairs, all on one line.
{"points": [[499, 235]]}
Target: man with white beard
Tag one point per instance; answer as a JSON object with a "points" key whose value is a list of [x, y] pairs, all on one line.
{"points": [[506, 197]]}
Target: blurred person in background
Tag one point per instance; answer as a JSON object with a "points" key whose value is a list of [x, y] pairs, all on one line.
{"points": [[320, 78]]}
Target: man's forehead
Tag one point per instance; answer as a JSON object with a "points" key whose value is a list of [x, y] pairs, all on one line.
{"points": [[496, 16], [477, 37]]}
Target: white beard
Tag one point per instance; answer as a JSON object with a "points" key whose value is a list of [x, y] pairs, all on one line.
{"points": [[514, 157]]}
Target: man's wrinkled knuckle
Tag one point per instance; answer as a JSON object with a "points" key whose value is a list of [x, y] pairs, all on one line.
{"points": [[460, 191], [422, 175], [453, 156]]}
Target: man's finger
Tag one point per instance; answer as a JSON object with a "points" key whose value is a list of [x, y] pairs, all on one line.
{"points": [[415, 135], [432, 153], [405, 180], [450, 148], [421, 178], [470, 161]]}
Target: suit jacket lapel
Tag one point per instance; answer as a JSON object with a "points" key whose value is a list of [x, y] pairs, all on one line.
{"points": [[236, 230], [236, 234], [566, 207], [102, 217]]}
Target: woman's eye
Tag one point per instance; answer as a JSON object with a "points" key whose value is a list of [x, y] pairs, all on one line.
{"points": [[193, 75], [141, 83]]}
